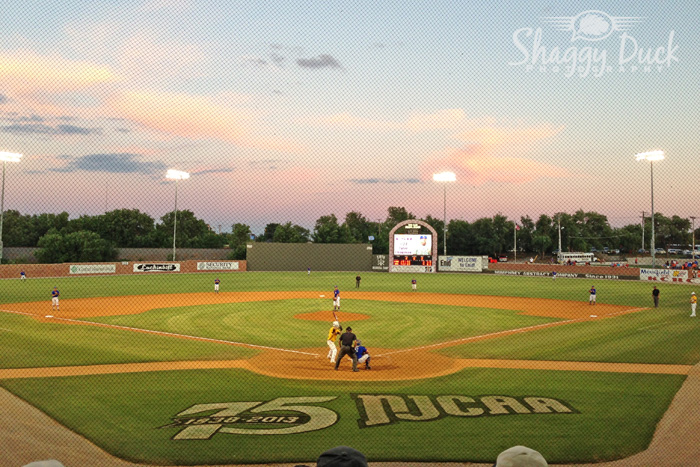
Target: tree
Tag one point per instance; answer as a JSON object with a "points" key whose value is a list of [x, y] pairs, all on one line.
{"points": [[327, 230], [17, 230], [460, 241], [269, 233], [541, 243], [290, 233], [359, 228], [396, 215], [189, 228], [81, 246]]}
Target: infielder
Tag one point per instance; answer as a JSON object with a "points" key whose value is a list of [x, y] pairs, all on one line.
{"points": [[216, 285], [693, 303], [332, 337], [336, 299], [591, 298], [22, 275], [414, 284], [54, 298]]}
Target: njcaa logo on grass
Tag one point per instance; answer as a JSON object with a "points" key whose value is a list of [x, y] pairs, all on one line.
{"points": [[289, 415]]}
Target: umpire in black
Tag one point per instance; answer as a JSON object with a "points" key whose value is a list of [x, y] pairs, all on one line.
{"points": [[347, 347]]}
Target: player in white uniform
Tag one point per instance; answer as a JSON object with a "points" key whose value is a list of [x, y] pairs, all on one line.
{"points": [[336, 299], [54, 299]]}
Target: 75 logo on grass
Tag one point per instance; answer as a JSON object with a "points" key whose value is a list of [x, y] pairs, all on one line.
{"points": [[279, 416]]}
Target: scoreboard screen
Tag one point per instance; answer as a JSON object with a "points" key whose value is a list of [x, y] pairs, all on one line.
{"points": [[413, 260], [413, 245]]}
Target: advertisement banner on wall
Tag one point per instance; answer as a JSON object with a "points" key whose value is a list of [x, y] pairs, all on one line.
{"points": [[412, 268], [92, 268], [217, 266], [459, 263], [156, 267], [380, 262], [663, 275]]}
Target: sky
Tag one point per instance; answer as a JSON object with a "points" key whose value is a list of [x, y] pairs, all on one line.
{"points": [[289, 111]]}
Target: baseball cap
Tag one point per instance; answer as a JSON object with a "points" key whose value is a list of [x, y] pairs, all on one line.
{"points": [[342, 456], [359, 342], [520, 456], [348, 328]]}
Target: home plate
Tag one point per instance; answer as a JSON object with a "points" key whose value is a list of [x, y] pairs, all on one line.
{"points": [[594, 316], [48, 316]]}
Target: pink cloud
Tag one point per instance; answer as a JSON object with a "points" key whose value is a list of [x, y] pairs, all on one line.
{"points": [[26, 72], [194, 117], [478, 162], [443, 119]]}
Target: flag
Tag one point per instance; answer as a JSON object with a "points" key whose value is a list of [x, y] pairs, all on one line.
{"points": [[517, 227]]}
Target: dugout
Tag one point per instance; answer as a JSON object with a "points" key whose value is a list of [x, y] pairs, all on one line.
{"points": [[317, 256]]}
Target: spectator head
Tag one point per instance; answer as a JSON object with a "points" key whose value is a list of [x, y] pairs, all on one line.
{"points": [[520, 456], [341, 456]]}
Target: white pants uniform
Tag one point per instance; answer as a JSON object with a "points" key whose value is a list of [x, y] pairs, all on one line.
{"points": [[692, 308], [54, 302], [333, 352], [336, 302], [216, 287], [413, 286], [591, 298], [363, 359]]}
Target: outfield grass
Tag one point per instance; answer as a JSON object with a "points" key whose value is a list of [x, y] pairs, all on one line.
{"points": [[608, 422]]}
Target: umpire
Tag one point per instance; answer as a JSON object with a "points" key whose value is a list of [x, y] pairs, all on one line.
{"points": [[347, 347]]}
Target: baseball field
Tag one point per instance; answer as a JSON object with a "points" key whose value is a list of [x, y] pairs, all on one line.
{"points": [[161, 370]]}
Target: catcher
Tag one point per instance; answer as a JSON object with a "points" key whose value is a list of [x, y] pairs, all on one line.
{"points": [[333, 334]]}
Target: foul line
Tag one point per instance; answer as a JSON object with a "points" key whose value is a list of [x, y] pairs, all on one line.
{"points": [[165, 333], [506, 332]]}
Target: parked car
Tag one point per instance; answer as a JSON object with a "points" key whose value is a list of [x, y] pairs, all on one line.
{"points": [[502, 258], [614, 251], [642, 251], [660, 251], [594, 250], [674, 251]]}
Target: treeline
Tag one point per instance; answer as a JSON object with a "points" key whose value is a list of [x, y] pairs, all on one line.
{"points": [[98, 238]]}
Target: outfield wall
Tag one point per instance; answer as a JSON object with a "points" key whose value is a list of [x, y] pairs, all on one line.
{"points": [[317, 256], [26, 254], [12, 271], [592, 272]]}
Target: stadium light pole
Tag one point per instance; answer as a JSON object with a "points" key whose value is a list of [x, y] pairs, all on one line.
{"points": [[651, 156], [693, 232], [444, 177], [5, 157], [176, 175]]}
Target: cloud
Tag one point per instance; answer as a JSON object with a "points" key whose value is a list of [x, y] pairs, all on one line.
{"points": [[478, 162], [322, 61], [195, 117], [213, 171], [42, 129], [256, 61], [112, 163], [443, 119], [492, 136], [3, 99], [25, 72], [390, 181]]}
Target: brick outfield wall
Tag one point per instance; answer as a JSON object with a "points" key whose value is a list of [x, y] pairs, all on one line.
{"points": [[626, 272], [11, 271]]}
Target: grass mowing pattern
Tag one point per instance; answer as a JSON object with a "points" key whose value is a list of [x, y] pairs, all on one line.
{"points": [[616, 415], [272, 323], [650, 336], [28, 343]]}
